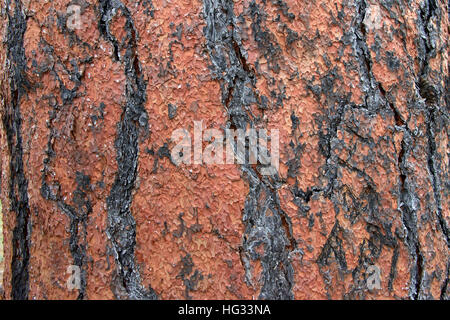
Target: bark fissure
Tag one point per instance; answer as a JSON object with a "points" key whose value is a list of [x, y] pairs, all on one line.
{"points": [[408, 207], [428, 92], [133, 125], [18, 184], [432, 166]]}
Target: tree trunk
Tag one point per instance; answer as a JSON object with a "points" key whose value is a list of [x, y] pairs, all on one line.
{"points": [[95, 207]]}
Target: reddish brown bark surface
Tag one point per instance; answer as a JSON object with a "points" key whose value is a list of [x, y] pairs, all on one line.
{"points": [[358, 90]]}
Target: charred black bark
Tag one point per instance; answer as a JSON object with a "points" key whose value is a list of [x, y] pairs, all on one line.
{"points": [[133, 124], [18, 184], [431, 92]]}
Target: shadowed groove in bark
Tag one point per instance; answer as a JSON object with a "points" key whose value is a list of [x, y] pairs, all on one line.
{"points": [[408, 206], [121, 224], [429, 98], [434, 169], [18, 185], [237, 81], [430, 10]]}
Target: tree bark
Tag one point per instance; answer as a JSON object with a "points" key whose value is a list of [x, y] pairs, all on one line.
{"points": [[358, 89]]}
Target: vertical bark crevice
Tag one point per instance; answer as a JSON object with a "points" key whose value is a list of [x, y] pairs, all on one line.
{"points": [[408, 207], [133, 124], [433, 167], [429, 13], [12, 120]]}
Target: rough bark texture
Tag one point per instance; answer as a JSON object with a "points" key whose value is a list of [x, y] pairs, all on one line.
{"points": [[359, 90]]}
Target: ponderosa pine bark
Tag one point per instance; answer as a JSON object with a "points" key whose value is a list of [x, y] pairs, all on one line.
{"points": [[358, 89]]}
